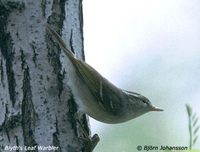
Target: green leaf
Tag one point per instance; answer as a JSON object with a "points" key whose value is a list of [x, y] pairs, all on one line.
{"points": [[194, 116], [195, 139], [195, 121], [189, 110], [196, 130]]}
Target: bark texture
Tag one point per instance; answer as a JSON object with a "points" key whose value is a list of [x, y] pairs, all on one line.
{"points": [[36, 105]]}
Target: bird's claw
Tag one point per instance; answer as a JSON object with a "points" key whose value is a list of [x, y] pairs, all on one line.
{"points": [[89, 141]]}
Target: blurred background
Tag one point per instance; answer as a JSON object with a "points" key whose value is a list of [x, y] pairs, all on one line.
{"points": [[151, 47]]}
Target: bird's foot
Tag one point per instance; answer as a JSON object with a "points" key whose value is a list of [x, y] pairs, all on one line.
{"points": [[90, 142]]}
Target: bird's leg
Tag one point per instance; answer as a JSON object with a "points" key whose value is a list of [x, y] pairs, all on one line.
{"points": [[89, 141], [91, 144]]}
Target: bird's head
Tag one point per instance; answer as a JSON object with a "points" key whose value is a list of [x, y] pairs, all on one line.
{"points": [[139, 104]]}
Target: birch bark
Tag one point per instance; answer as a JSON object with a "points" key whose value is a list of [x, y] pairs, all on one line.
{"points": [[36, 105]]}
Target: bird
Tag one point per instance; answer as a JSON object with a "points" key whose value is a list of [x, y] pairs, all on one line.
{"points": [[98, 97]]}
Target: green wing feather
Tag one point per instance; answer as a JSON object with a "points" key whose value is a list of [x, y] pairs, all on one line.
{"points": [[103, 91]]}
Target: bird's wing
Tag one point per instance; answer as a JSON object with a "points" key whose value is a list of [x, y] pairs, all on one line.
{"points": [[104, 91]]}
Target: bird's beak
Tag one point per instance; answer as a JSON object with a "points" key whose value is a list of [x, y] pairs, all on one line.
{"points": [[156, 109]]}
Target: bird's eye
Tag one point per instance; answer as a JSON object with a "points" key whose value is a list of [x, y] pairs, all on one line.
{"points": [[144, 101]]}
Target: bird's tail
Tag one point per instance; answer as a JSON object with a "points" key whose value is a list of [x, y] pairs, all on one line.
{"points": [[60, 42]]}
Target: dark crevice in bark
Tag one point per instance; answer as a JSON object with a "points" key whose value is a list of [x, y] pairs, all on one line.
{"points": [[7, 134], [17, 34], [17, 143], [57, 18], [81, 15], [4, 13], [2, 71], [71, 41], [60, 77], [81, 26], [29, 116], [11, 122], [35, 54], [22, 58], [72, 110], [56, 141], [6, 109], [7, 52], [11, 5], [43, 6], [54, 59], [58, 14]]}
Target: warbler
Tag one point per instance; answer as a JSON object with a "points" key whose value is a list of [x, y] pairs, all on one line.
{"points": [[98, 97]]}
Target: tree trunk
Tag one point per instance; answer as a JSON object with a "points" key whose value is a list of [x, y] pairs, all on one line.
{"points": [[36, 105]]}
